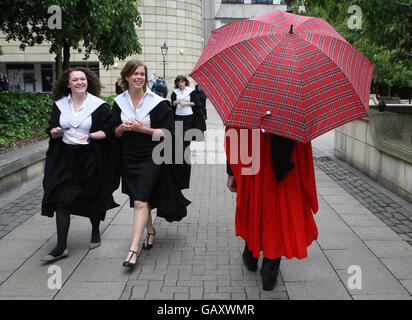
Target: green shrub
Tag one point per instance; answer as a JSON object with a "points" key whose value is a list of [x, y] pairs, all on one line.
{"points": [[110, 99], [21, 113]]}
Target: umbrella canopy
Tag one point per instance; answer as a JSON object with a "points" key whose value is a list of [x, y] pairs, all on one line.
{"points": [[290, 75]]}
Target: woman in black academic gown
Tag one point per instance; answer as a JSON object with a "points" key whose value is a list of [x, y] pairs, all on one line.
{"points": [[185, 103], [140, 115], [80, 170]]}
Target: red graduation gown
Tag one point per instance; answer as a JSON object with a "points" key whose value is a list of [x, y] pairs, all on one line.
{"points": [[276, 218]]}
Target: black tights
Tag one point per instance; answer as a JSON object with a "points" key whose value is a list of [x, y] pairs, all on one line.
{"points": [[63, 224]]}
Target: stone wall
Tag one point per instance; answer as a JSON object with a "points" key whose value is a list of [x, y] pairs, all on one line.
{"points": [[376, 146]]}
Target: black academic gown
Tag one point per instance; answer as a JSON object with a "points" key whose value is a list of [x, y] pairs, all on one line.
{"points": [[183, 170], [106, 165], [165, 196]]}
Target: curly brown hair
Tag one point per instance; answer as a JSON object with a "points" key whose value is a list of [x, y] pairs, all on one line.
{"points": [[60, 88]]}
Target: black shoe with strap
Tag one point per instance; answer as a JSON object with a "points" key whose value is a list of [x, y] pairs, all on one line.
{"points": [[129, 264], [248, 259], [146, 244]]}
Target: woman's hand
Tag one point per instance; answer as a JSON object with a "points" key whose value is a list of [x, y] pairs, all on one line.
{"points": [[123, 127], [84, 138], [137, 125], [55, 134]]}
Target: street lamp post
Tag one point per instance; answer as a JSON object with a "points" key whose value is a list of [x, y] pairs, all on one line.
{"points": [[164, 49]]}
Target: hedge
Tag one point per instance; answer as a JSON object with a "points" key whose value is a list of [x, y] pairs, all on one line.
{"points": [[23, 113]]}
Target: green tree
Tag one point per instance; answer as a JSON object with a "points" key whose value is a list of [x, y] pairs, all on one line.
{"points": [[384, 36], [103, 27]]}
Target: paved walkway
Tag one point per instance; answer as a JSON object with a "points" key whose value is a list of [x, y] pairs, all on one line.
{"points": [[358, 255]]}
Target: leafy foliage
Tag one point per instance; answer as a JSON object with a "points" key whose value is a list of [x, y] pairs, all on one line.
{"points": [[21, 114], [385, 36], [104, 27]]}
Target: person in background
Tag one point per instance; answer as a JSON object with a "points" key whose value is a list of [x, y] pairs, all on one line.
{"points": [[118, 88], [184, 102], [202, 99], [80, 172], [4, 82], [152, 79], [160, 87]]}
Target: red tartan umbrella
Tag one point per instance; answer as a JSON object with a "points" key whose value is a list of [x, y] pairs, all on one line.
{"points": [[291, 75]]}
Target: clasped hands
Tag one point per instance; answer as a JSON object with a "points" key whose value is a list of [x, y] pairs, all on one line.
{"points": [[133, 124], [182, 103]]}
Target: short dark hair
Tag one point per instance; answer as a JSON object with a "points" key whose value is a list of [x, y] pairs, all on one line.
{"points": [[181, 77]]}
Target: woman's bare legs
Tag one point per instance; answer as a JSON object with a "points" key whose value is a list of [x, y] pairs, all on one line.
{"points": [[140, 220], [150, 229]]}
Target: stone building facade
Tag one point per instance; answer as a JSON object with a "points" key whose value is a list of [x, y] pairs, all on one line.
{"points": [[185, 26]]}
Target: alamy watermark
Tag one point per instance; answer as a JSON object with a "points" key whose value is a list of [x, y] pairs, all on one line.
{"points": [[355, 20], [54, 282], [244, 147], [55, 20], [355, 280]]}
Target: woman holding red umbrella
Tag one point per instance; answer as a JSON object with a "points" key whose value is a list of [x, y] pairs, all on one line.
{"points": [[275, 206]]}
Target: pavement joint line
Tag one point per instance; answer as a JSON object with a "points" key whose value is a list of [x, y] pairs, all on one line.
{"points": [[354, 191], [88, 251], [208, 226], [364, 242]]}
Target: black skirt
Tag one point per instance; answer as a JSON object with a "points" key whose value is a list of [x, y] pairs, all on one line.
{"points": [[140, 178], [139, 172], [75, 181]]}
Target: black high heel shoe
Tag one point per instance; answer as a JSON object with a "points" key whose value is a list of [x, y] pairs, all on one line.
{"points": [[129, 264], [147, 246]]}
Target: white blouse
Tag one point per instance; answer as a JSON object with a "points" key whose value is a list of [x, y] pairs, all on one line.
{"points": [[185, 96], [146, 118], [72, 135]]}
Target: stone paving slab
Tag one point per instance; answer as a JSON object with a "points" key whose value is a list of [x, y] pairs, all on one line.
{"points": [[393, 211], [322, 289], [200, 256], [91, 291], [374, 282]]}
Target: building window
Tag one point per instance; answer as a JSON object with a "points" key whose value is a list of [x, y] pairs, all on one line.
{"points": [[21, 77], [262, 1], [232, 1], [46, 77], [93, 66]]}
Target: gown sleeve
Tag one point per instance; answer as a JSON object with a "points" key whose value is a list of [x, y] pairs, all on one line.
{"points": [[195, 98], [173, 97], [162, 116], [117, 120], [105, 121], [54, 120]]}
